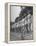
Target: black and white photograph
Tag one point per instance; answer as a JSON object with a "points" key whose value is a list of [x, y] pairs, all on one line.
{"points": [[21, 22]]}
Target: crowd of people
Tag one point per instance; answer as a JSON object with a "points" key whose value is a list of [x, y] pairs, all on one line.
{"points": [[25, 14]]}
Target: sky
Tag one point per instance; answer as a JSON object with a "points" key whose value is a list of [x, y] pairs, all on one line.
{"points": [[15, 11]]}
